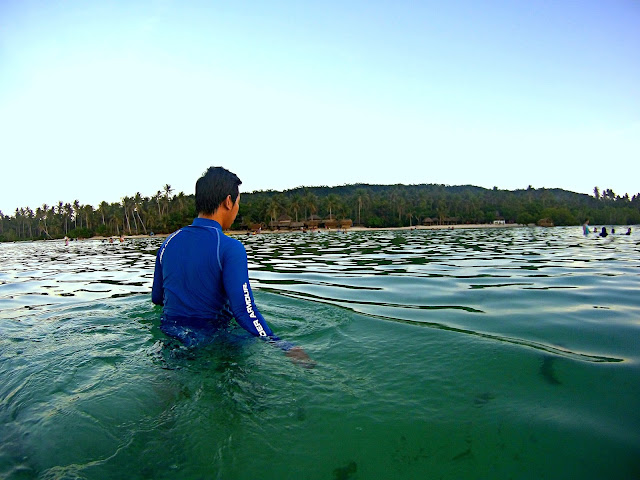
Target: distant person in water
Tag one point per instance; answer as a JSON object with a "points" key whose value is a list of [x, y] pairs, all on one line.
{"points": [[604, 233], [628, 231], [201, 276], [585, 227]]}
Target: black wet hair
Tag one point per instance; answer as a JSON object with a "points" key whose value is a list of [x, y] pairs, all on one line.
{"points": [[213, 187]]}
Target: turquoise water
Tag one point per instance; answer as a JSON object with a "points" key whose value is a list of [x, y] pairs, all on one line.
{"points": [[464, 354]]}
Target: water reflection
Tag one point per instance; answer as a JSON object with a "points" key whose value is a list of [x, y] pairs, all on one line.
{"points": [[509, 285], [526, 286], [450, 352], [45, 274]]}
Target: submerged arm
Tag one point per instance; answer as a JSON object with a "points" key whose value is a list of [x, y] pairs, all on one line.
{"points": [[235, 275]]}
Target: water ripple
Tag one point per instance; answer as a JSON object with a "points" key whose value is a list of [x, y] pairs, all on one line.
{"points": [[445, 351]]}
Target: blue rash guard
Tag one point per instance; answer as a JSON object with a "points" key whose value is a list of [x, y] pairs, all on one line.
{"points": [[201, 279]]}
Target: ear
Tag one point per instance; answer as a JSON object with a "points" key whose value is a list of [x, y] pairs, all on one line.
{"points": [[228, 203]]}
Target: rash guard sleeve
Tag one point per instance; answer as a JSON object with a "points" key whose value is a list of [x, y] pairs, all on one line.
{"points": [[235, 276], [157, 291]]}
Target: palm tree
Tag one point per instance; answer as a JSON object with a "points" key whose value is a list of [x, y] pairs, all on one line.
{"points": [[76, 209], [260, 207], [442, 209], [152, 217], [180, 201], [39, 215], [157, 198], [30, 216], [137, 206], [51, 218], [332, 202], [103, 208], [410, 216], [113, 218], [167, 194], [310, 201], [18, 216], [398, 200], [44, 213], [125, 206], [68, 211], [609, 194], [363, 200], [274, 208], [296, 204], [88, 215]]}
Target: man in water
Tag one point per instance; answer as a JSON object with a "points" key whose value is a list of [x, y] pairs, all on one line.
{"points": [[585, 227], [201, 276]]}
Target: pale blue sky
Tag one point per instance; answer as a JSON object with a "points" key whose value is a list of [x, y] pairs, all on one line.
{"points": [[104, 99]]}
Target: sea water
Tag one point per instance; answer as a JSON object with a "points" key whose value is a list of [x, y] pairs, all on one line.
{"points": [[461, 354]]}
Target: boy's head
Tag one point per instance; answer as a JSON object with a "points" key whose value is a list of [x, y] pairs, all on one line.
{"points": [[213, 187]]}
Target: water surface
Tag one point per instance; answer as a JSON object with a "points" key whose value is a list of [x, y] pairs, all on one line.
{"points": [[488, 353]]}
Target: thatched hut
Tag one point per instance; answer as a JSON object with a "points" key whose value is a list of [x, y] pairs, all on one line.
{"points": [[330, 222], [545, 222], [313, 221], [346, 223], [284, 222]]}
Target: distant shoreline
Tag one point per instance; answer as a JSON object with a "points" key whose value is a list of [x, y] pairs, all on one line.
{"points": [[325, 230], [333, 230], [374, 229]]}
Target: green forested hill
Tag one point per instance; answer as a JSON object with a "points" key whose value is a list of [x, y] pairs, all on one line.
{"points": [[403, 205], [363, 204]]}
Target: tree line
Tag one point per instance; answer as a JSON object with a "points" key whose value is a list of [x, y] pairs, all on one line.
{"points": [[362, 204]]}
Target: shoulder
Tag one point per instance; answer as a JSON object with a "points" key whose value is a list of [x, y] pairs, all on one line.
{"points": [[232, 249], [169, 238], [232, 244]]}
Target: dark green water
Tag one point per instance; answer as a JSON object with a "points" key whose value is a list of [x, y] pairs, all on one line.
{"points": [[466, 354]]}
